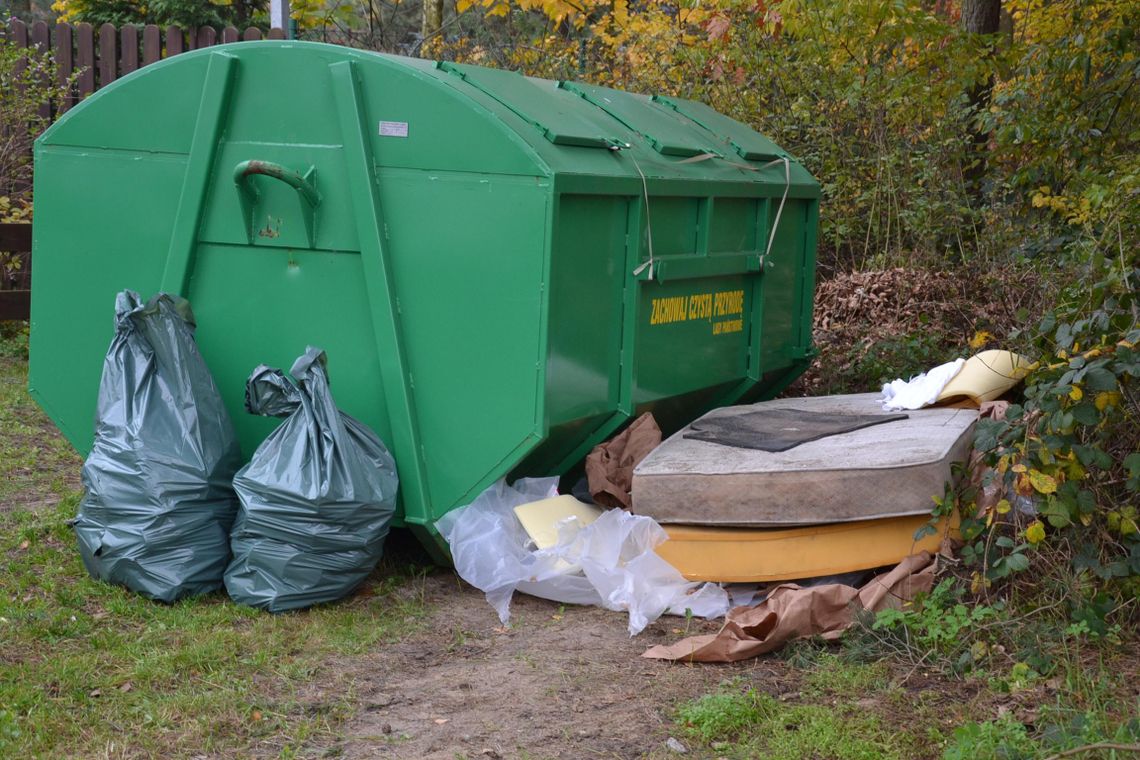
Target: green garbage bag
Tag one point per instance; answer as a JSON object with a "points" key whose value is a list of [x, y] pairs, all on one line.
{"points": [[317, 498], [159, 500]]}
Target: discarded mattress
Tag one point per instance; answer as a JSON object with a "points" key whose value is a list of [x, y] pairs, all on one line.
{"points": [[743, 555], [881, 471]]}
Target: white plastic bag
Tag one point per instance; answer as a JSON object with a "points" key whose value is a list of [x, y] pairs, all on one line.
{"points": [[609, 563], [922, 390]]}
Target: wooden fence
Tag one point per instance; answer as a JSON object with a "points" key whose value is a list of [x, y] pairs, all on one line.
{"points": [[15, 304], [98, 57]]}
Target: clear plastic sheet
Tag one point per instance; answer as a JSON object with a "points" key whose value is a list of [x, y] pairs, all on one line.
{"points": [[610, 563]]}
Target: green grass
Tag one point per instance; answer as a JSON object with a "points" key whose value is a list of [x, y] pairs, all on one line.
{"points": [[748, 724], [834, 716], [36, 464], [85, 666], [88, 669], [850, 710]]}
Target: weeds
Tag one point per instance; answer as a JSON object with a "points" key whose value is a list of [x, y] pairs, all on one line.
{"points": [[939, 626], [742, 722], [1061, 734]]}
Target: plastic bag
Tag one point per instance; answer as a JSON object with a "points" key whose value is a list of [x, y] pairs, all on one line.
{"points": [[317, 498], [921, 390], [610, 563], [159, 503]]}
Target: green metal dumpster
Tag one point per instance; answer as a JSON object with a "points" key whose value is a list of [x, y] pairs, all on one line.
{"points": [[503, 270]]}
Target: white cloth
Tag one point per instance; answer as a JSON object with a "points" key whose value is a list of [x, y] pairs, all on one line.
{"points": [[921, 390]]}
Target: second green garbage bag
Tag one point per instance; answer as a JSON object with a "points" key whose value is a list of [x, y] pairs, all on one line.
{"points": [[317, 498]]}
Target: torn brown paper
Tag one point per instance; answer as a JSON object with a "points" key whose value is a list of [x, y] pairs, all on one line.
{"points": [[790, 612], [609, 467]]}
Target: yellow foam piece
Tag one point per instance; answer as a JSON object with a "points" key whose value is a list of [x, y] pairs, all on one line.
{"points": [[540, 518], [750, 555], [986, 376]]}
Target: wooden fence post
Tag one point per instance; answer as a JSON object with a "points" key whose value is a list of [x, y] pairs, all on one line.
{"points": [[152, 45], [108, 55], [175, 42], [64, 64], [16, 304], [128, 49], [42, 41], [207, 37], [85, 60]]}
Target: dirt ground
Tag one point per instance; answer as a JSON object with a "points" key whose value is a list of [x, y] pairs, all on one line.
{"points": [[560, 682]]}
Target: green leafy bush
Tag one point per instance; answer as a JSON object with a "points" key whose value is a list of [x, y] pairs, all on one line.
{"points": [[1059, 484]]}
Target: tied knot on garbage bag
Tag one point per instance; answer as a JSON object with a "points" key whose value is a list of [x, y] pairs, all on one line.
{"points": [[317, 497], [269, 393], [158, 503]]}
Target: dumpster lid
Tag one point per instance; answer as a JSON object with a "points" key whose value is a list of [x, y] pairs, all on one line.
{"points": [[543, 107], [669, 132], [748, 144]]}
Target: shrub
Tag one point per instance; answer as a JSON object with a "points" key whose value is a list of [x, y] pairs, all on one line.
{"points": [[28, 84]]}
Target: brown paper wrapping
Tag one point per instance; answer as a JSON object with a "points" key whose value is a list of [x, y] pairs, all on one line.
{"points": [[790, 612]]}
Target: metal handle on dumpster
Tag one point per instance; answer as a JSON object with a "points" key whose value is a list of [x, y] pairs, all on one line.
{"points": [[304, 184]]}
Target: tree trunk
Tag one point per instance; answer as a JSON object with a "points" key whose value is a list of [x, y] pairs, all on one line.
{"points": [[21, 9], [432, 21], [979, 17], [241, 14]]}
